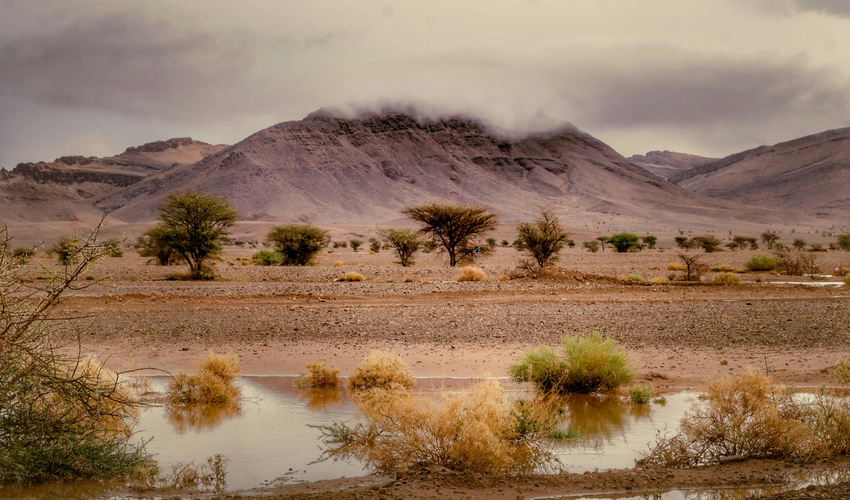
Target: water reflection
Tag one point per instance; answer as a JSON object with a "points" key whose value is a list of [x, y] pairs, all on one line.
{"points": [[200, 417], [320, 398]]}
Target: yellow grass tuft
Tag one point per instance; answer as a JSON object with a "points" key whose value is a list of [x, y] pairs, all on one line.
{"points": [[472, 274], [673, 266], [212, 384], [727, 279], [383, 370], [339, 263], [352, 276], [318, 376]]}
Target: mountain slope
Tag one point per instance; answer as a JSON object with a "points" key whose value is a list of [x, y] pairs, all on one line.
{"points": [[810, 173], [68, 187], [666, 164], [342, 171]]}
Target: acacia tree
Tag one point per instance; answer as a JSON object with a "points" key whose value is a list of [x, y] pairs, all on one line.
{"points": [[624, 242], [542, 239], [769, 238], [454, 227], [195, 225], [405, 242], [152, 243]]}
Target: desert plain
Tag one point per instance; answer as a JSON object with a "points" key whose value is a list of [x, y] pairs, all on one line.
{"points": [[277, 319]]}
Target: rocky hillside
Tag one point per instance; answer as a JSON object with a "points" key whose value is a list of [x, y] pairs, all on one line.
{"points": [[334, 170], [68, 187], [811, 173], [666, 164]]}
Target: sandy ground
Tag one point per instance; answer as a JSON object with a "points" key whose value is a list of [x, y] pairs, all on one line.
{"points": [[278, 319]]}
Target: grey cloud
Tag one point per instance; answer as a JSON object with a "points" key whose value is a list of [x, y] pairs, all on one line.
{"points": [[709, 92], [834, 7], [127, 63]]}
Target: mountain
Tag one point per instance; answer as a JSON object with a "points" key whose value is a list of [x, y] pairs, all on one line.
{"points": [[666, 164], [68, 187], [811, 173], [333, 170]]}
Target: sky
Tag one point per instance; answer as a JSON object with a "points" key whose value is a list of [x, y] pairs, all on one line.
{"points": [[707, 77]]}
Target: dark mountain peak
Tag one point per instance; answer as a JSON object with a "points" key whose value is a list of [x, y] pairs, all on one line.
{"points": [[160, 146]]}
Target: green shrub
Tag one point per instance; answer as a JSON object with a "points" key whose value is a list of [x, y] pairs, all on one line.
{"points": [[298, 243], [624, 242], [113, 248], [405, 242], [762, 263], [844, 242], [67, 250], [381, 370], [640, 394], [267, 257], [356, 244], [22, 254], [590, 364]]}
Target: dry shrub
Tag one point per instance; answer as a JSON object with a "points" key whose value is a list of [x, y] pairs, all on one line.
{"points": [[352, 276], [727, 279], [472, 274], [339, 263], [749, 416], [673, 266], [847, 281], [212, 384], [842, 371], [722, 268], [841, 271], [381, 370], [318, 376], [475, 432]]}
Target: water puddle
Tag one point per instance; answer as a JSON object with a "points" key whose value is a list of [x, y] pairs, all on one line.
{"points": [[271, 438]]}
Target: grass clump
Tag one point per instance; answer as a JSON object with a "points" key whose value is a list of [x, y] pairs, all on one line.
{"points": [[589, 364], [749, 416], [722, 268], [640, 394], [479, 432], [761, 263], [841, 371], [727, 279], [352, 276], [674, 266], [318, 376], [267, 257], [472, 274], [212, 384], [381, 370]]}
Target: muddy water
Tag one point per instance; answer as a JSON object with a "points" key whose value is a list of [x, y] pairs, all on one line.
{"points": [[270, 439]]}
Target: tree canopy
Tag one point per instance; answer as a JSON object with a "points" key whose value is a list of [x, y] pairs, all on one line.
{"points": [[453, 227]]}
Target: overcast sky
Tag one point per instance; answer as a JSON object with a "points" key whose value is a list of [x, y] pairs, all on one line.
{"points": [[709, 77]]}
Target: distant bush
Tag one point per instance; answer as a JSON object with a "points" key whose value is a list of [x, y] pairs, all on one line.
{"points": [[750, 416], [722, 268], [352, 276], [298, 243], [113, 248], [727, 279], [624, 242], [673, 266], [480, 432], [356, 244], [844, 242], [589, 364], [472, 274], [211, 384], [640, 394], [22, 254], [381, 370], [67, 249], [267, 257], [592, 245], [797, 262], [693, 266], [542, 240], [154, 243], [649, 241], [706, 242], [405, 243], [762, 263], [318, 376]]}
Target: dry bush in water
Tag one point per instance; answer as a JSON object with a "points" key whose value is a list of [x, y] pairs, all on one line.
{"points": [[212, 384], [749, 416], [476, 432], [318, 376], [381, 370], [640, 394], [589, 364], [62, 416], [472, 274]]}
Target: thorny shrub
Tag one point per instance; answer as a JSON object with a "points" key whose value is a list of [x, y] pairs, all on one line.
{"points": [[589, 364], [62, 416], [351, 276], [478, 432], [727, 279], [749, 416], [212, 384], [382, 370]]}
